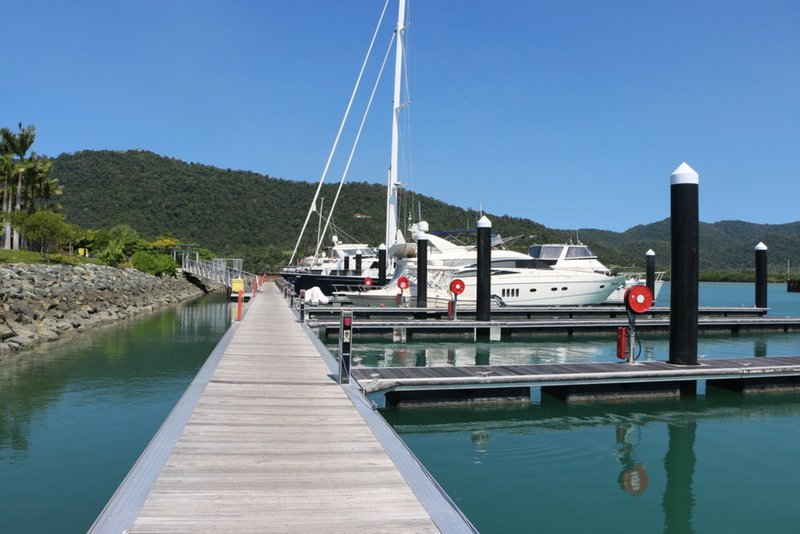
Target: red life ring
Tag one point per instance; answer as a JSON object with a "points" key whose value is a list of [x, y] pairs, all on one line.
{"points": [[367, 281], [635, 480], [638, 299], [457, 286], [403, 283]]}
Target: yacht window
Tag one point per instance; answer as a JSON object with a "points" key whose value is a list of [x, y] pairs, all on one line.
{"points": [[579, 252], [553, 289], [563, 289], [533, 290], [602, 286], [550, 252]]}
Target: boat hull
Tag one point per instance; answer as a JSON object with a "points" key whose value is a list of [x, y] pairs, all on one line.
{"points": [[328, 284]]}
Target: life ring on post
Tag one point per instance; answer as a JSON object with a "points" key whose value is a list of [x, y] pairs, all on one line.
{"points": [[457, 286], [403, 283], [638, 299]]}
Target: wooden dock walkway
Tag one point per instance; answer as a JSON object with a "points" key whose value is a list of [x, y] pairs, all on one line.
{"points": [[579, 374], [406, 329], [275, 444]]}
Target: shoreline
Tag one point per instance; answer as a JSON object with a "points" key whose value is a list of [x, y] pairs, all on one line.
{"points": [[42, 303]]}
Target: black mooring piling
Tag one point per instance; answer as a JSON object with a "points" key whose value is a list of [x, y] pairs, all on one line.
{"points": [[382, 265], [650, 271], [684, 213], [484, 289], [422, 270], [358, 263], [761, 275]]}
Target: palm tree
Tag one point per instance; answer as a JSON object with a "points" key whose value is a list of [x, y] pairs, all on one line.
{"points": [[18, 144], [7, 173]]}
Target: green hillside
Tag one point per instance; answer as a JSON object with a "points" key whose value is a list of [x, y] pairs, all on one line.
{"points": [[244, 214]]}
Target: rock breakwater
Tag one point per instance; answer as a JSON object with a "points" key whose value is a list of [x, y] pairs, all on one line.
{"points": [[46, 302]]}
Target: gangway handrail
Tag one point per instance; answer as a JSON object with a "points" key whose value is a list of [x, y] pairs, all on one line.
{"points": [[216, 272]]}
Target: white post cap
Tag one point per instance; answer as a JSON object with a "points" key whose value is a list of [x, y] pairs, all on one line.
{"points": [[382, 246], [650, 252], [422, 236], [484, 222], [684, 174], [761, 246]]}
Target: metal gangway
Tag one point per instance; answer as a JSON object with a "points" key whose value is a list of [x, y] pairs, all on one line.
{"points": [[218, 270]]}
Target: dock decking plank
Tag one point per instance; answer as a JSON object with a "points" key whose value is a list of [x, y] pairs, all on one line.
{"points": [[274, 445]]}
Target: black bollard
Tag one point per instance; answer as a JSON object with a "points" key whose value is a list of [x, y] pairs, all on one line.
{"points": [[422, 270], [345, 345], [650, 271], [382, 265], [484, 289], [346, 264], [358, 263], [761, 276], [684, 219]]}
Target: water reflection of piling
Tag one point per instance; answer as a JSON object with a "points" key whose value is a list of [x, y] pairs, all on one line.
{"points": [[482, 354], [679, 465]]}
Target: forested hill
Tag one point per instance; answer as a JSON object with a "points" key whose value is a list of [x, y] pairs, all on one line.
{"points": [[245, 213]]}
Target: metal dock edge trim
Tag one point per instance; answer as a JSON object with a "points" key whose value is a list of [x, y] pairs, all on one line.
{"points": [[441, 508], [125, 504]]}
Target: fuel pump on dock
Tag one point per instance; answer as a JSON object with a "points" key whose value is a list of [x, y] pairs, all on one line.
{"points": [[638, 299]]}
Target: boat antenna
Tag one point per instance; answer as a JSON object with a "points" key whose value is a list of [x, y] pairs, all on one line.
{"points": [[339, 133]]}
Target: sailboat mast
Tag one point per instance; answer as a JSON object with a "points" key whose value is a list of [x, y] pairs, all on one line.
{"points": [[393, 183]]}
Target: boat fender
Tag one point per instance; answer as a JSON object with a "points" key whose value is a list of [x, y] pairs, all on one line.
{"points": [[367, 281], [403, 283]]}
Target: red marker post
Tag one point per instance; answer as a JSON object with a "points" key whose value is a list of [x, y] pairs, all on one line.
{"points": [[638, 299], [239, 305], [403, 284], [457, 287]]}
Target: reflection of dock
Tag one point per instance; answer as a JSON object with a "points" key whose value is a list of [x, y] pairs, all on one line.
{"points": [[404, 323], [589, 380]]}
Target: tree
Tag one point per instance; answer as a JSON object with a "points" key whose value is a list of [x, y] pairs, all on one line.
{"points": [[18, 144], [46, 228]]}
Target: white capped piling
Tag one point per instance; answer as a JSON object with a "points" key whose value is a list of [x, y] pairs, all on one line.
{"points": [[650, 271], [358, 262], [684, 221], [761, 275], [382, 264], [346, 264], [422, 270], [484, 289]]}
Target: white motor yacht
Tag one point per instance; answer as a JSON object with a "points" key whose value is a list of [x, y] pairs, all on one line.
{"points": [[580, 258]]}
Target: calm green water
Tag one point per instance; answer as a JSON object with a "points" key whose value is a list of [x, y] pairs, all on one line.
{"points": [[722, 462], [74, 416]]}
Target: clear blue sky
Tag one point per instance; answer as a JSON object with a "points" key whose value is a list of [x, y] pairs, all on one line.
{"points": [[571, 113]]}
